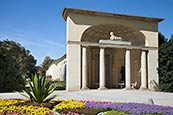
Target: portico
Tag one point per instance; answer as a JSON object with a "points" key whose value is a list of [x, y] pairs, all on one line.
{"points": [[107, 50], [102, 46]]}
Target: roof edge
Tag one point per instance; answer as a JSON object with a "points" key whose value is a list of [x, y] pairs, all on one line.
{"points": [[66, 12]]}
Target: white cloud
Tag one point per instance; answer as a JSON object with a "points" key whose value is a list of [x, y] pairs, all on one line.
{"points": [[53, 43], [39, 48], [38, 43]]}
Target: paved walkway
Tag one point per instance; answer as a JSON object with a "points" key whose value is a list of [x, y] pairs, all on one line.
{"points": [[110, 95]]}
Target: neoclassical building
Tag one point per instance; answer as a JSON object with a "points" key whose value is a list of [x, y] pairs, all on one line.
{"points": [[106, 50]]}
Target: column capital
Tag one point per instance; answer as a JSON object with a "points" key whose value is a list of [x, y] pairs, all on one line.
{"points": [[129, 48], [84, 45], [102, 47], [144, 49]]}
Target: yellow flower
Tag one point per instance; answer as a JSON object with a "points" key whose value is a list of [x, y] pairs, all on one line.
{"points": [[68, 104], [8, 106]]}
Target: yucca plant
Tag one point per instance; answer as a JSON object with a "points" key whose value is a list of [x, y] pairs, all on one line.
{"points": [[39, 90]]}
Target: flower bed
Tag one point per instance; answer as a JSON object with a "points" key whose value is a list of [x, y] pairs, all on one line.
{"points": [[140, 109], [105, 105], [73, 107], [68, 104]]}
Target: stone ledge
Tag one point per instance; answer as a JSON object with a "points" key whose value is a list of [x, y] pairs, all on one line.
{"points": [[96, 44], [114, 42]]}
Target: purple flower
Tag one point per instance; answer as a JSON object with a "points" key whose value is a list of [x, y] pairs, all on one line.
{"points": [[93, 104], [138, 109], [132, 108]]}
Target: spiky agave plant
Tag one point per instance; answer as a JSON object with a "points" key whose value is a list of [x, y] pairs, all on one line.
{"points": [[40, 89]]}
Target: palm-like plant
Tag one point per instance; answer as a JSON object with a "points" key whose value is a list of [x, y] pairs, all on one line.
{"points": [[39, 90]]}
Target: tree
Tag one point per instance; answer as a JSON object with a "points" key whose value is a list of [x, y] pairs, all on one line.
{"points": [[162, 39], [16, 64], [10, 76], [47, 62], [41, 70], [165, 69], [22, 56]]}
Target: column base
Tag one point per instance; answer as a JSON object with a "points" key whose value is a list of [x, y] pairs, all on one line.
{"points": [[84, 88], [142, 88], [127, 88], [102, 88]]}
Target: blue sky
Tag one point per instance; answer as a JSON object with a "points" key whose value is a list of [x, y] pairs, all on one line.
{"points": [[38, 24]]}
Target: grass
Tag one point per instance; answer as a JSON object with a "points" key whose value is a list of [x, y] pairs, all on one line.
{"points": [[115, 112]]}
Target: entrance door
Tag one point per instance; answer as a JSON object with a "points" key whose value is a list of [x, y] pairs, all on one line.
{"points": [[120, 73]]}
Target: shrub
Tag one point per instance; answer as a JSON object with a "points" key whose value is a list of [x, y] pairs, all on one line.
{"points": [[39, 90], [60, 85]]}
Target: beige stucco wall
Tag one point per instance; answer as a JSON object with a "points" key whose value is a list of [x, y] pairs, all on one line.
{"points": [[74, 31], [73, 67], [151, 38], [152, 66], [73, 57], [78, 23]]}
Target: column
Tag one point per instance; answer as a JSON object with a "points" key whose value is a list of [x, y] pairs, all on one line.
{"points": [[102, 69], [84, 68], [127, 69], [143, 70]]}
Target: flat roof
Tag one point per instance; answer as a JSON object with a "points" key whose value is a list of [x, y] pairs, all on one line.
{"points": [[66, 12]]}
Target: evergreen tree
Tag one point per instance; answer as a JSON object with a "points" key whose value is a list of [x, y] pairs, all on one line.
{"points": [[22, 56], [16, 64], [162, 39], [166, 66], [10, 76], [41, 69], [46, 63]]}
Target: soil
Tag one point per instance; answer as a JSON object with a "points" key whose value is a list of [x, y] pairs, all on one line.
{"points": [[43, 104], [86, 111]]}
